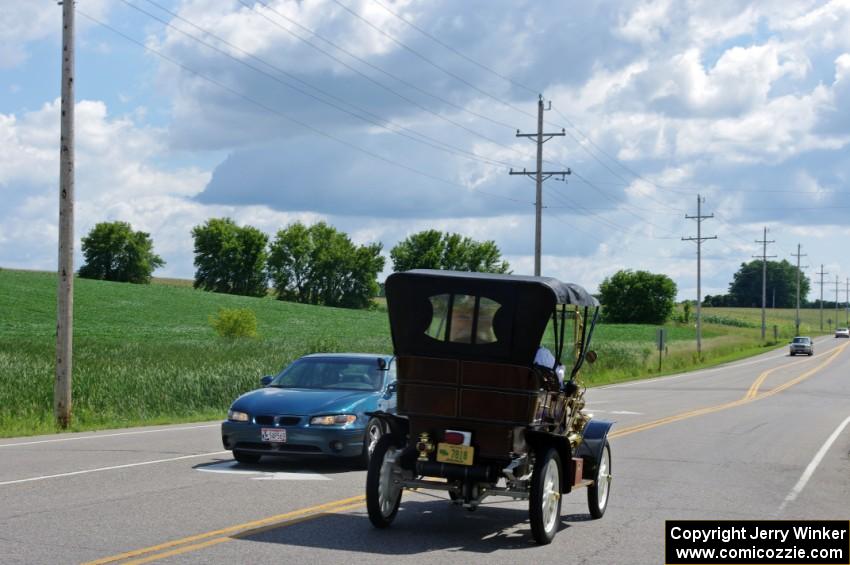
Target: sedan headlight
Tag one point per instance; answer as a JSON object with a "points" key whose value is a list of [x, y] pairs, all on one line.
{"points": [[236, 416], [333, 420]]}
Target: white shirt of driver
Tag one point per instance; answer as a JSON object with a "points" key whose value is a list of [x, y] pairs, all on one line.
{"points": [[544, 358]]}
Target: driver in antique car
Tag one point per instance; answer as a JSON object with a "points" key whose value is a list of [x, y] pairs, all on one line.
{"points": [[545, 359]]}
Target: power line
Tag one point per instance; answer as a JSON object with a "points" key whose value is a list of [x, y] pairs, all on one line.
{"points": [[401, 44], [430, 62], [290, 118], [374, 119], [370, 65], [455, 51]]}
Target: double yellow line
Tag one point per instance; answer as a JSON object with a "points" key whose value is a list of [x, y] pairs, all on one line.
{"points": [[215, 537], [751, 395]]}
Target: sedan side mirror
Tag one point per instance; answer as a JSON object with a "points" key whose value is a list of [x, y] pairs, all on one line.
{"points": [[265, 381]]}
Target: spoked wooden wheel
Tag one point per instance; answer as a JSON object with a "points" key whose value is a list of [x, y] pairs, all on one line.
{"points": [[383, 496], [544, 502], [597, 494]]}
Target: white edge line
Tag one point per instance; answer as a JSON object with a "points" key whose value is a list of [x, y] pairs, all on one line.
{"points": [[698, 372], [112, 468], [813, 465], [98, 436]]}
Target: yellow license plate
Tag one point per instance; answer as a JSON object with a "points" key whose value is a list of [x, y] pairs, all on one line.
{"points": [[458, 454]]}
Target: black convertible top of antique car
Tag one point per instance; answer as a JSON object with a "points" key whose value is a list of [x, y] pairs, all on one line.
{"points": [[496, 317]]}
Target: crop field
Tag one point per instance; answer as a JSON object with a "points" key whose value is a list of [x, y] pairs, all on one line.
{"points": [[783, 318], [147, 354]]}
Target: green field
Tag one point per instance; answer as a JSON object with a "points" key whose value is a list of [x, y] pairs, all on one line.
{"points": [[146, 354]]}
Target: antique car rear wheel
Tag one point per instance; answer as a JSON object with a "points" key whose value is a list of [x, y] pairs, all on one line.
{"points": [[597, 494], [382, 495], [544, 501]]}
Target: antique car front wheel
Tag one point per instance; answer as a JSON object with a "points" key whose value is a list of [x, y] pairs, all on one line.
{"points": [[597, 494], [383, 496], [544, 501]]}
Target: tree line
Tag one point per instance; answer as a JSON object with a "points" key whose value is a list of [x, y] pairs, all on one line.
{"points": [[316, 264], [319, 264], [745, 290]]}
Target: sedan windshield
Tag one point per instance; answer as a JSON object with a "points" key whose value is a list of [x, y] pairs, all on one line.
{"points": [[331, 373], [801, 340]]}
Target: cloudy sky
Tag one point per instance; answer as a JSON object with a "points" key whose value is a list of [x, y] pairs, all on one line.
{"points": [[385, 117]]}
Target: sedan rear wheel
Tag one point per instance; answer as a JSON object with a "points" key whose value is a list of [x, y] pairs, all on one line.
{"points": [[374, 432], [244, 457]]}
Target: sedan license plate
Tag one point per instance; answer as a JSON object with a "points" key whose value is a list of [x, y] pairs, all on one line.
{"points": [[457, 454], [273, 436]]}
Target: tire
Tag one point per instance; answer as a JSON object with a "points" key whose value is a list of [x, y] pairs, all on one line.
{"points": [[374, 432], [544, 501], [599, 493], [382, 497], [243, 457]]}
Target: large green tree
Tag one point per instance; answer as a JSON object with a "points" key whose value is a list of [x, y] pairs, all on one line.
{"points": [[321, 265], [230, 258], [433, 249], [637, 297], [745, 288], [114, 252]]}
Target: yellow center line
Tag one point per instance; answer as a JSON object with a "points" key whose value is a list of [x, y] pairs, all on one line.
{"points": [[241, 534], [751, 395], [279, 518], [215, 537]]}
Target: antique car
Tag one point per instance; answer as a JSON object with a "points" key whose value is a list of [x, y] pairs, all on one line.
{"points": [[476, 416]]}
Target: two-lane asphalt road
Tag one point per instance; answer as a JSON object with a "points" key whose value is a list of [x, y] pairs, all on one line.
{"points": [[763, 438]]}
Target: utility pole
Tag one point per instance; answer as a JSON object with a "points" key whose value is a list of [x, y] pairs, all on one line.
{"points": [[821, 273], [797, 317], [764, 258], [847, 304], [65, 291], [540, 175], [837, 283], [699, 239]]}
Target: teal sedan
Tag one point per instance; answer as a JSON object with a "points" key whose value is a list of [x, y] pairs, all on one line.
{"points": [[317, 406]]}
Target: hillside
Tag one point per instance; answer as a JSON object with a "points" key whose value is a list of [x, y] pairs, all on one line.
{"points": [[146, 353]]}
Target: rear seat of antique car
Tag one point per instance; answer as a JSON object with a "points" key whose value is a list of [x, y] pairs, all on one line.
{"points": [[491, 398]]}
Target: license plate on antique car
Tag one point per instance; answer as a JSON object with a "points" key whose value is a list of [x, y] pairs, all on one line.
{"points": [[457, 454], [274, 436]]}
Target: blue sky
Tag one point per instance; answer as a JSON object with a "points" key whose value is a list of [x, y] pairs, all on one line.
{"points": [[340, 110]]}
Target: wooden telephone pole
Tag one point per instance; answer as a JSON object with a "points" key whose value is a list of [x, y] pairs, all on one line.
{"points": [[65, 292], [699, 239], [539, 176]]}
